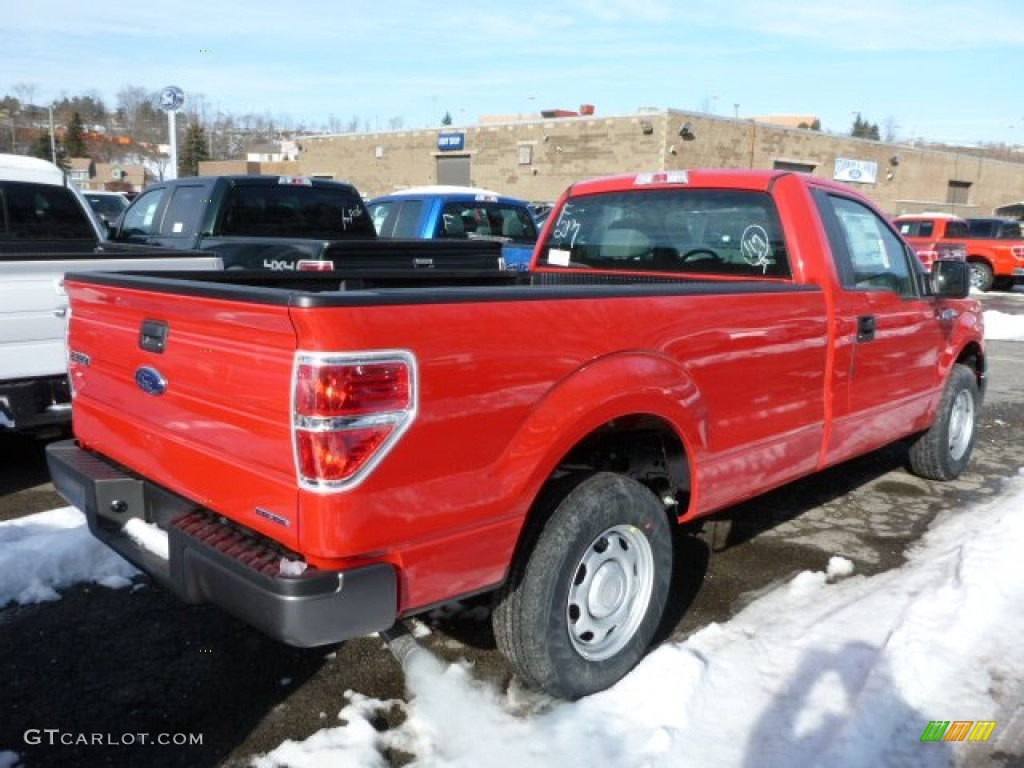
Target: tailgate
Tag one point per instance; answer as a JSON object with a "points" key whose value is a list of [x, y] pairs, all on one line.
{"points": [[192, 392]]}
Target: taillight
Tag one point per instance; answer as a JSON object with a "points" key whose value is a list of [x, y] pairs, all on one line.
{"points": [[348, 412], [926, 257], [1018, 252], [314, 265]]}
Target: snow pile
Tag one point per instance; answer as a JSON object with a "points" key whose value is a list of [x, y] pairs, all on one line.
{"points": [[52, 550], [814, 673], [1000, 326]]}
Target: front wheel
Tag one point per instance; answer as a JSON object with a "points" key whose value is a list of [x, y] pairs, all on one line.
{"points": [[943, 451], [581, 605]]}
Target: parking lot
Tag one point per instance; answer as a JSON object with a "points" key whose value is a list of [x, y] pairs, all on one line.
{"points": [[135, 660]]}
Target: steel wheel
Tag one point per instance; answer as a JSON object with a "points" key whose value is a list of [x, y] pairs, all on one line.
{"points": [[961, 425], [610, 592]]}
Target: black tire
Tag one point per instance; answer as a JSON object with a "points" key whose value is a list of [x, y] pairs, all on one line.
{"points": [[608, 540], [982, 277], [943, 451]]}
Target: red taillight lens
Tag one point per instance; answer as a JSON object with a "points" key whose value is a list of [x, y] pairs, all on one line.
{"points": [[335, 456], [350, 409], [314, 265], [328, 391]]}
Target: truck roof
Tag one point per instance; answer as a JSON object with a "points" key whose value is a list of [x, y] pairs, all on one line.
{"points": [[726, 178], [929, 215], [21, 168], [446, 190]]}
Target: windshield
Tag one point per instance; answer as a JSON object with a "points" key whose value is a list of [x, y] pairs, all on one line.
{"points": [[723, 232]]}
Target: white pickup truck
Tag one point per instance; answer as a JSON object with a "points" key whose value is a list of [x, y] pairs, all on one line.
{"points": [[47, 229]]}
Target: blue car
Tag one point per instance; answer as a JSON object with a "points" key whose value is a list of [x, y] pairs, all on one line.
{"points": [[458, 213]]}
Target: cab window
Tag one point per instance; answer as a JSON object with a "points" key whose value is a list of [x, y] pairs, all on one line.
{"points": [[870, 256], [183, 210], [140, 218]]}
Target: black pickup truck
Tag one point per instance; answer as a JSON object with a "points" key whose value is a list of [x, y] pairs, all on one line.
{"points": [[282, 223]]}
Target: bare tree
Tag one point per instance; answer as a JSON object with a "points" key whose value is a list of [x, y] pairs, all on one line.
{"points": [[131, 100], [26, 93], [891, 129]]}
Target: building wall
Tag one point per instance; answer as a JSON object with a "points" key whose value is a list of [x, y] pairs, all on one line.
{"points": [[565, 150]]}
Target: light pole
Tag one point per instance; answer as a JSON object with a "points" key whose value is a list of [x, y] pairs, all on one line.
{"points": [[171, 100], [53, 139]]}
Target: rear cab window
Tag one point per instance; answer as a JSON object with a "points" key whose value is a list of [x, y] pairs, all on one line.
{"points": [[485, 219], [295, 210], [43, 212], [707, 231]]}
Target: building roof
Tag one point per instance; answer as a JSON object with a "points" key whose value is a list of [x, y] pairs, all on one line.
{"points": [[787, 121]]}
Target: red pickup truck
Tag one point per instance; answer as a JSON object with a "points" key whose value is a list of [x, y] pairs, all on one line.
{"points": [[323, 458], [993, 247]]}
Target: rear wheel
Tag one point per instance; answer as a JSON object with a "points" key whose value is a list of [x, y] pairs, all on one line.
{"points": [[981, 276], [943, 451], [582, 604]]}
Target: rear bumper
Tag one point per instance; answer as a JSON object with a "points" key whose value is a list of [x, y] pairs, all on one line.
{"points": [[32, 404], [212, 560]]}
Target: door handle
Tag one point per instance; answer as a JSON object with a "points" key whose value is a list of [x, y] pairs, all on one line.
{"points": [[866, 328], [947, 315]]}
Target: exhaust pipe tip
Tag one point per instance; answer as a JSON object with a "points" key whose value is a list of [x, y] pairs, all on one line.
{"points": [[402, 644]]}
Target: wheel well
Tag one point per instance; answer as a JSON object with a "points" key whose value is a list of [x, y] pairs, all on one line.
{"points": [[641, 446], [974, 358]]}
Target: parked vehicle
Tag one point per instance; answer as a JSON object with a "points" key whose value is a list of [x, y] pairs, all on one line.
{"points": [[996, 251], [47, 228], [107, 205], [322, 461], [454, 212], [995, 255], [281, 223], [934, 236]]}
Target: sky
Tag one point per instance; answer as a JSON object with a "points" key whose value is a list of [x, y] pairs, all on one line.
{"points": [[937, 70], [853, 676]]}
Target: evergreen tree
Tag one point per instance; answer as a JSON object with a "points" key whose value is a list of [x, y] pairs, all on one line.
{"points": [[74, 140], [195, 149], [41, 146], [447, 119], [862, 129]]}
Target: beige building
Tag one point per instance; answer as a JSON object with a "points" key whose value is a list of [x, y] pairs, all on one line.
{"points": [[536, 158]]}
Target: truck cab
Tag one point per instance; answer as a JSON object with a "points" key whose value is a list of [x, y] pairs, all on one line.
{"points": [[252, 222], [454, 212]]}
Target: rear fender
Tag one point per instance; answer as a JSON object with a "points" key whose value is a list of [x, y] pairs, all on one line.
{"points": [[603, 390]]}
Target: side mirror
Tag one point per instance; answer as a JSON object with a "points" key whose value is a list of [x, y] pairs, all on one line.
{"points": [[951, 279]]}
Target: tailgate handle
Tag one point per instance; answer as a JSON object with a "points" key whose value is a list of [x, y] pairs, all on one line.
{"points": [[153, 335]]}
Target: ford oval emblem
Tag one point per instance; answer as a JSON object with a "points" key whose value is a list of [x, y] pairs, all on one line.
{"points": [[150, 380]]}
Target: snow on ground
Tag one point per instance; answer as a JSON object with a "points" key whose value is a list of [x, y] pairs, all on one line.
{"points": [[832, 668], [1000, 326], [840, 671], [42, 553]]}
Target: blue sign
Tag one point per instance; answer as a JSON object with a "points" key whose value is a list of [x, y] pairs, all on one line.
{"points": [[171, 98], [446, 142]]}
